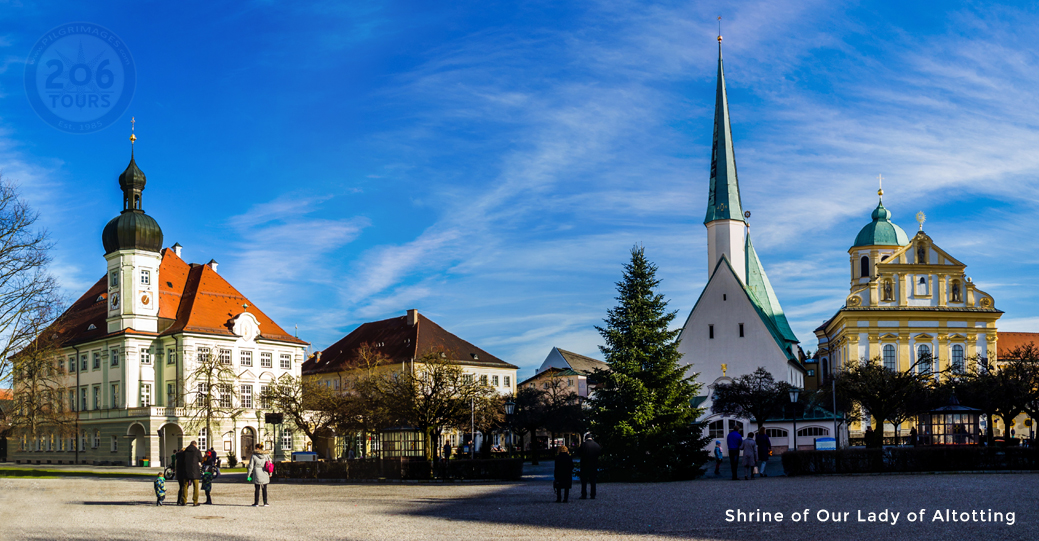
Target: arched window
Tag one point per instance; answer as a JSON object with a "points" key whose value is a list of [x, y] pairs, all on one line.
{"points": [[776, 432], [923, 358], [957, 358], [921, 285], [716, 429], [889, 357], [813, 431], [864, 267], [735, 425]]}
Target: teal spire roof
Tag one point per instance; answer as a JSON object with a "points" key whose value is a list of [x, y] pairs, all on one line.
{"points": [[881, 231], [764, 296], [724, 200]]}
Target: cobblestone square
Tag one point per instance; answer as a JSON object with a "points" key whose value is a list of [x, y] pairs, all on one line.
{"points": [[84, 508]]}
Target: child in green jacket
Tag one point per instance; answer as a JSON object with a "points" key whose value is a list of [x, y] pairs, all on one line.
{"points": [[160, 489]]}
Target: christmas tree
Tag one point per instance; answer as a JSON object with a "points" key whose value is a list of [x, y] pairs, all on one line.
{"points": [[642, 414]]}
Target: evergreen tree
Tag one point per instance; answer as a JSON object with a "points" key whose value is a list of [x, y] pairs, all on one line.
{"points": [[641, 412]]}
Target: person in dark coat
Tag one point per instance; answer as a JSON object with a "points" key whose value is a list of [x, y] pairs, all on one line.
{"points": [[447, 450], [180, 472], [192, 470], [764, 450], [564, 475], [589, 452], [734, 440]]}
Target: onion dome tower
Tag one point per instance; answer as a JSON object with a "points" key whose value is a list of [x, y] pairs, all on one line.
{"points": [[132, 242]]}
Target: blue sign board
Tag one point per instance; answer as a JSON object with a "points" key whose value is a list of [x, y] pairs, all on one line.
{"points": [[825, 444]]}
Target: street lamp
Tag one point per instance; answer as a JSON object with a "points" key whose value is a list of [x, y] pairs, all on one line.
{"points": [[510, 408], [794, 393]]}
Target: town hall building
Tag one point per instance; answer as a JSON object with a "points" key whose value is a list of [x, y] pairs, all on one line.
{"points": [[129, 347]]}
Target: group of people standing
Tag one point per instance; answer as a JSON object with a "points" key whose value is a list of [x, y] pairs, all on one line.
{"points": [[755, 452], [191, 467], [588, 452]]}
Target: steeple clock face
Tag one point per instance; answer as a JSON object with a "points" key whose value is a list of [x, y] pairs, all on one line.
{"points": [[146, 299], [115, 301]]}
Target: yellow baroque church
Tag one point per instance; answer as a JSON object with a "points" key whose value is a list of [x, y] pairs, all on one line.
{"points": [[908, 299]]}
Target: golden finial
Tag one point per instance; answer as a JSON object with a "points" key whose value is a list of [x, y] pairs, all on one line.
{"points": [[719, 29], [724, 366], [880, 180], [921, 217], [132, 136]]}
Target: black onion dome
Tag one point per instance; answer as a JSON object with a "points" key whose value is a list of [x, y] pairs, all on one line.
{"points": [[132, 177], [132, 230]]}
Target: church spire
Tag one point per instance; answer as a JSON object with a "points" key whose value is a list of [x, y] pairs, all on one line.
{"points": [[723, 203]]}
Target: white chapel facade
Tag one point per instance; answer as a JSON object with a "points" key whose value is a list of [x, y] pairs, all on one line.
{"points": [[737, 325]]}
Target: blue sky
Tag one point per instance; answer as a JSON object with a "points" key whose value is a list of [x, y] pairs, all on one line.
{"points": [[492, 163]]}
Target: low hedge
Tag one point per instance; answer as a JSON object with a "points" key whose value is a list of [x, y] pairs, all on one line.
{"points": [[910, 459], [510, 469]]}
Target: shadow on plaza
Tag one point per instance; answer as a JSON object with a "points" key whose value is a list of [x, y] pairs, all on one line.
{"points": [[619, 508]]}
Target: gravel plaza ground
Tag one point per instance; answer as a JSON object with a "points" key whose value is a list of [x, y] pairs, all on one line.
{"points": [[90, 508]]}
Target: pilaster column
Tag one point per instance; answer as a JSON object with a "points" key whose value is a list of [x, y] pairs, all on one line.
{"points": [[940, 294], [904, 359], [873, 348], [900, 289], [943, 352]]}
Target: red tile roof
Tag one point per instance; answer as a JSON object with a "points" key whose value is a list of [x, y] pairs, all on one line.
{"points": [[1008, 341], [400, 342], [192, 298]]}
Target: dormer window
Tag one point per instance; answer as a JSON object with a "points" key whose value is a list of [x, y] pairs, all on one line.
{"points": [[91, 326]]}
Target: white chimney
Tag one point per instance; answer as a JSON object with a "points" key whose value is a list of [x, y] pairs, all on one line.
{"points": [[412, 317], [212, 264], [177, 248]]}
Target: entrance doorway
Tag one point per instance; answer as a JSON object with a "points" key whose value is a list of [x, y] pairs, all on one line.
{"points": [[248, 443], [171, 438]]}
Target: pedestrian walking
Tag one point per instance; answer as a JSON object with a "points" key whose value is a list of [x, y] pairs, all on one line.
{"points": [[564, 475], [589, 452], [180, 472], [259, 470], [764, 445], [912, 436], [718, 457], [189, 461], [447, 450], [734, 440], [750, 456], [160, 489], [868, 436], [350, 455]]}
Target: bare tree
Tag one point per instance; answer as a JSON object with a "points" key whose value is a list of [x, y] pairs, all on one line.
{"points": [[40, 381], [27, 290], [433, 397], [216, 395], [312, 406]]}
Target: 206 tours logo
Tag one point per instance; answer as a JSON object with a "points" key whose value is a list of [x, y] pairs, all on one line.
{"points": [[80, 77]]}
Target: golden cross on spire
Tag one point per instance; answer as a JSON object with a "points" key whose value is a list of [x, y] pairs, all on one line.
{"points": [[880, 181], [132, 136]]}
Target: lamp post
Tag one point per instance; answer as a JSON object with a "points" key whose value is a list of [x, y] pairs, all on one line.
{"points": [[472, 428], [794, 393], [510, 408]]}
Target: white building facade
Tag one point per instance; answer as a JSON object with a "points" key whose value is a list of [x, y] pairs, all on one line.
{"points": [[738, 325], [131, 343]]}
